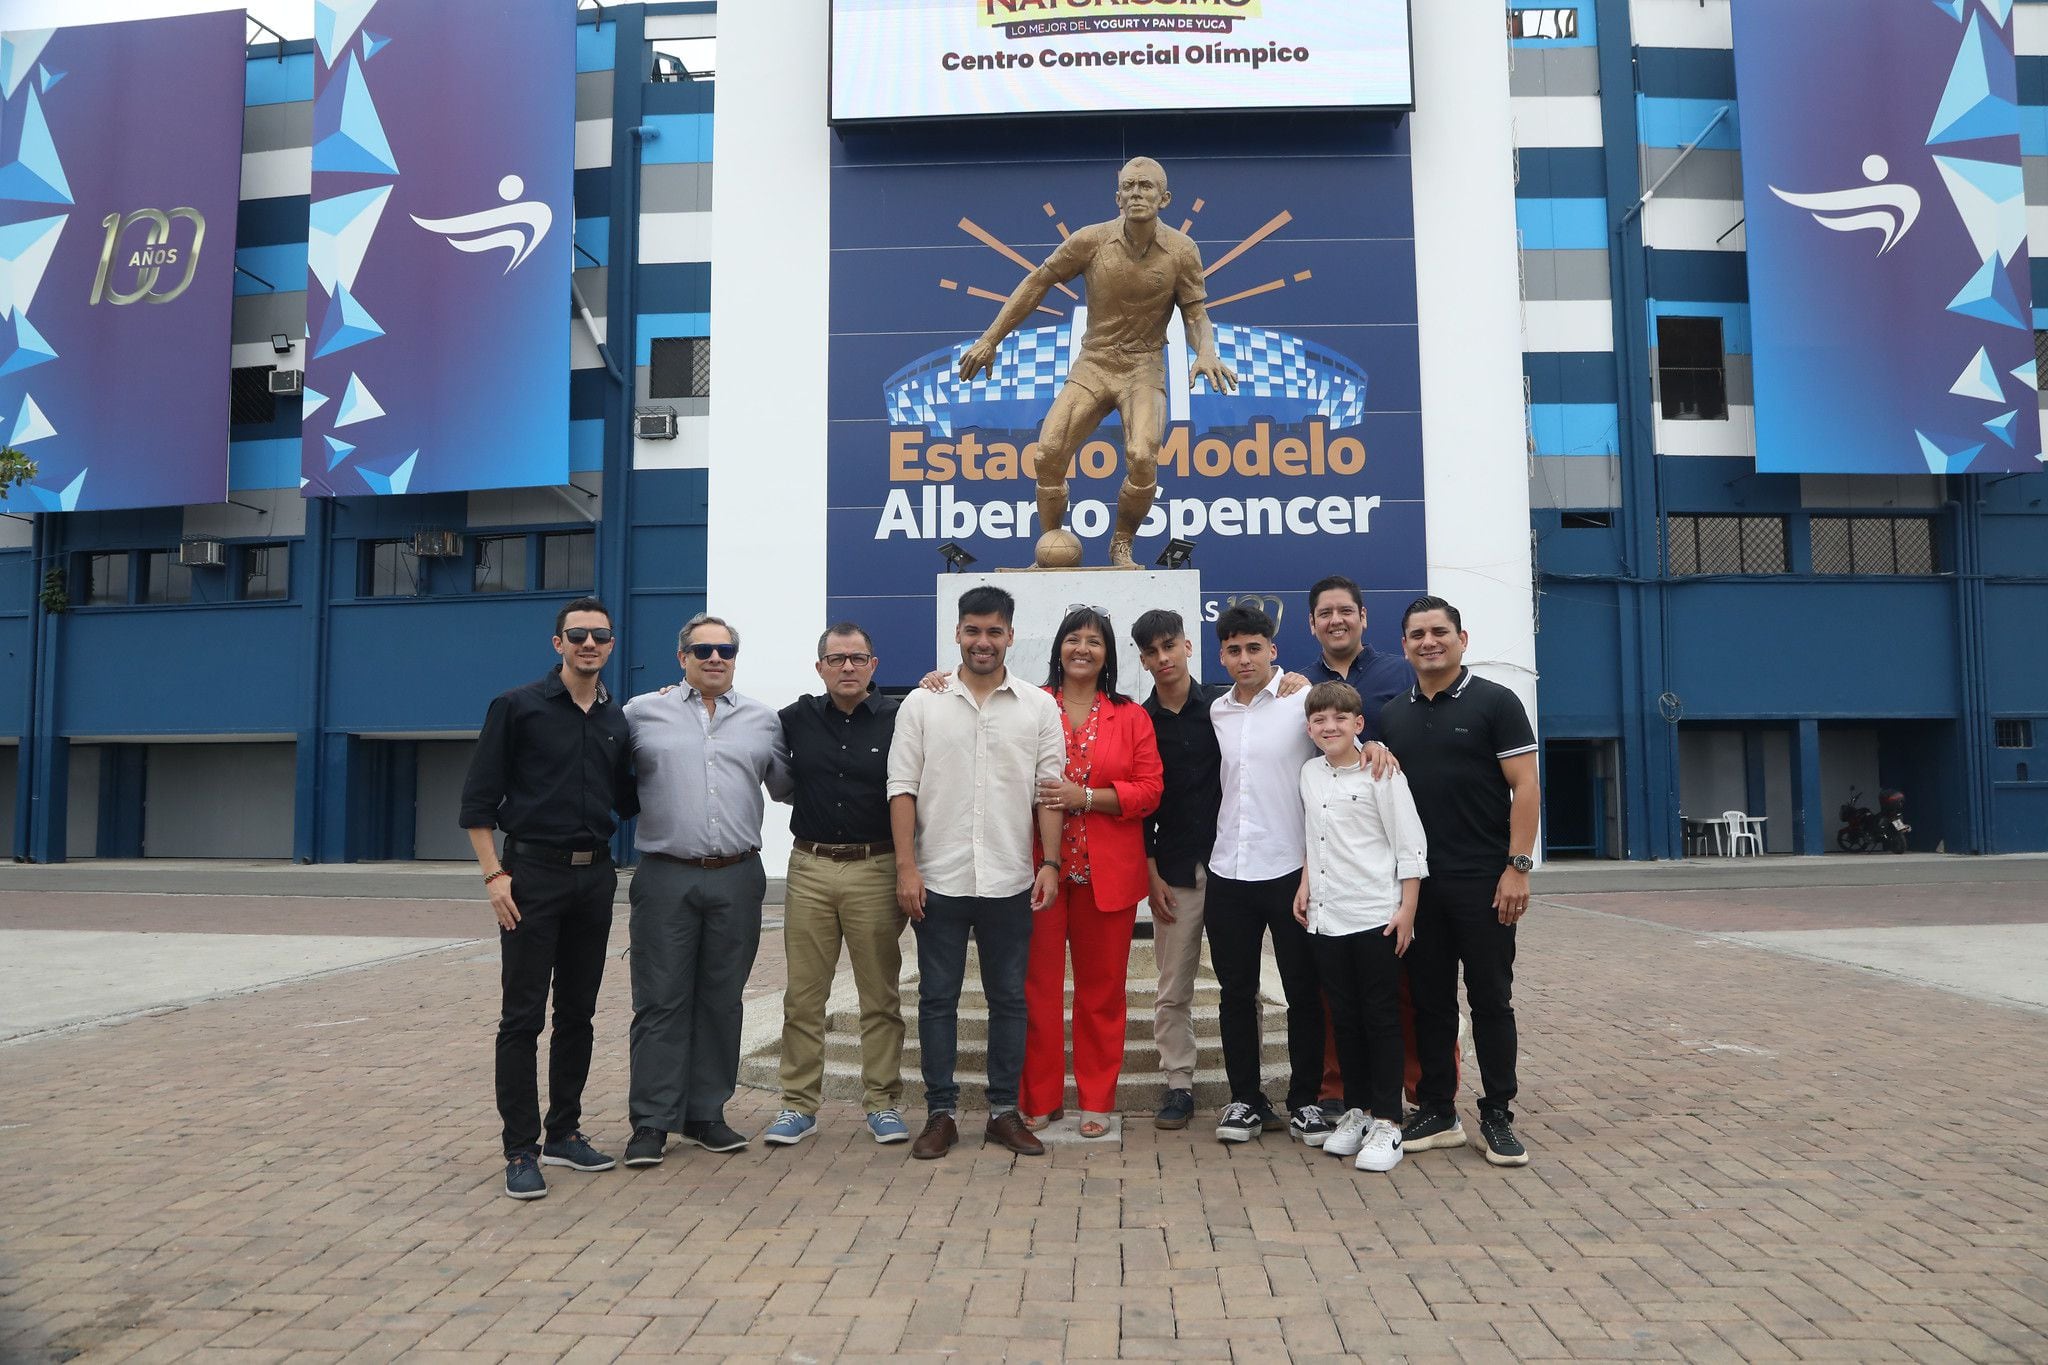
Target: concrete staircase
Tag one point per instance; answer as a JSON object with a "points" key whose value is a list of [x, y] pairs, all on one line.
{"points": [[1138, 1089]]}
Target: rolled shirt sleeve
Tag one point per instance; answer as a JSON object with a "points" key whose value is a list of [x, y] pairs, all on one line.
{"points": [[906, 750], [1398, 814], [483, 790], [1137, 796]]}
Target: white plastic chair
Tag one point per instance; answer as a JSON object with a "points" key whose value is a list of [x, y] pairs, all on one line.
{"points": [[1741, 827]]}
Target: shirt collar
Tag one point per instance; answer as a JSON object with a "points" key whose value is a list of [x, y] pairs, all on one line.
{"points": [[869, 702], [1271, 689], [552, 686], [1454, 691], [729, 697], [1123, 235]]}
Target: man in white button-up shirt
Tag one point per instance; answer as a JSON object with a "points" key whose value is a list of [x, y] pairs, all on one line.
{"points": [[964, 769]]}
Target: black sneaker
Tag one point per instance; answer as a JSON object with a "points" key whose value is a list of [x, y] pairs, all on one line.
{"points": [[575, 1152], [523, 1178], [1310, 1126], [1176, 1107], [713, 1136], [1432, 1126], [646, 1146], [1269, 1120], [1239, 1123], [1497, 1138]]}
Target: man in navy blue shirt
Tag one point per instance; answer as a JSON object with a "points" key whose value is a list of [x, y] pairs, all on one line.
{"points": [[1336, 616]]}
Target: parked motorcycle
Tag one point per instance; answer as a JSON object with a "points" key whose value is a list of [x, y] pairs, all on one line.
{"points": [[1866, 831]]}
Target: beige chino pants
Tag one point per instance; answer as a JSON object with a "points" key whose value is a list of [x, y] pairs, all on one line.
{"points": [[827, 903], [1178, 949]]}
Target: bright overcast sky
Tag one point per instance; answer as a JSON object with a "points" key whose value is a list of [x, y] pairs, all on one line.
{"points": [[292, 18]]}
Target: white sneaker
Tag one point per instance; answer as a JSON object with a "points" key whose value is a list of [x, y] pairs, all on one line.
{"points": [[1382, 1148], [1350, 1134]]}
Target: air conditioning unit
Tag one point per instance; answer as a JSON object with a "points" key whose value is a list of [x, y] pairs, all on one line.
{"points": [[437, 544], [287, 382], [202, 554], [654, 424]]}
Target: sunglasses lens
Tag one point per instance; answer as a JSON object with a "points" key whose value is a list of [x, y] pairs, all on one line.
{"points": [[576, 635], [722, 651]]}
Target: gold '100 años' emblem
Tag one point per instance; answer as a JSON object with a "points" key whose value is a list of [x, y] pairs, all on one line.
{"points": [[148, 259]]}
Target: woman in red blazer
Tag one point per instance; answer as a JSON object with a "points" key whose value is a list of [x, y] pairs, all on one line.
{"points": [[1112, 782]]}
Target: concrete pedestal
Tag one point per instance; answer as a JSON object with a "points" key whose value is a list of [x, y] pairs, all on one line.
{"points": [[1044, 596]]}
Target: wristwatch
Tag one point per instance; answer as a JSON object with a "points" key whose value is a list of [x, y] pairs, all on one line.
{"points": [[1521, 862]]}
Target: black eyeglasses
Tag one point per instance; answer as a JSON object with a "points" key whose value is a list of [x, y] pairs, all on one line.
{"points": [[576, 635], [706, 651], [842, 660]]}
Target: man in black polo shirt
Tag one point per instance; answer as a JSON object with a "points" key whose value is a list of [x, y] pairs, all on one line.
{"points": [[1470, 756], [552, 764], [842, 888]]}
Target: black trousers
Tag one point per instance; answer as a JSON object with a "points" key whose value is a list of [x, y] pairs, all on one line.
{"points": [[1236, 916], [565, 920], [1361, 977], [1456, 924]]}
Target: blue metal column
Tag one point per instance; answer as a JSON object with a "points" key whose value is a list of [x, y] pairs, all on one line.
{"points": [[615, 530], [314, 571], [1649, 741], [44, 792], [1974, 733], [1806, 790]]}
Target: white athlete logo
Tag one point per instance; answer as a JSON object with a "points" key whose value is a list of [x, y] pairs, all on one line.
{"points": [[1889, 209], [518, 227]]}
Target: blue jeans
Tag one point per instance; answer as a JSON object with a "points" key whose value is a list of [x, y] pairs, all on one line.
{"points": [[1001, 929]]}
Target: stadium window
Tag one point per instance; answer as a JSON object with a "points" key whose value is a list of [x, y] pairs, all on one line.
{"points": [[164, 579], [252, 402], [685, 59], [106, 578], [1873, 545], [388, 569], [500, 564], [679, 367], [1724, 545], [568, 560], [1548, 22], [2041, 361], [266, 572], [2015, 734], [1586, 521], [1692, 370]]}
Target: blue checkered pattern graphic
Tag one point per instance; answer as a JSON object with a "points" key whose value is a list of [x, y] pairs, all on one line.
{"points": [[1030, 367]]}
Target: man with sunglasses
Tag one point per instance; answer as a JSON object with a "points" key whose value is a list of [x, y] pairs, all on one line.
{"points": [[842, 889], [552, 765], [702, 753]]}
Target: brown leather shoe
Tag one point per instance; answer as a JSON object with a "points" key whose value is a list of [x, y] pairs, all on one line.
{"points": [[940, 1133], [1008, 1130]]}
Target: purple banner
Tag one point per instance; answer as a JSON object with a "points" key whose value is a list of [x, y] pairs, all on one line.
{"points": [[120, 171], [439, 254], [1890, 309]]}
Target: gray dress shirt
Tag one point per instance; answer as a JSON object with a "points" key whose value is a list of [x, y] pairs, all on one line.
{"points": [[700, 777]]}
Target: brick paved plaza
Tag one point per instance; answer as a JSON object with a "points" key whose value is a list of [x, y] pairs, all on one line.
{"points": [[1739, 1153]]}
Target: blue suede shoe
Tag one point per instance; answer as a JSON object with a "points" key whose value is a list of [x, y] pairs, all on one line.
{"points": [[887, 1125], [522, 1177], [575, 1152], [789, 1129]]}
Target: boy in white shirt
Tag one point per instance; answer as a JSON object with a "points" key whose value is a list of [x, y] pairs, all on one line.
{"points": [[1366, 858]]}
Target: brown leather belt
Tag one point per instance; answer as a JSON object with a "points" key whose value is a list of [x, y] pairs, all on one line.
{"points": [[845, 853], [710, 864]]}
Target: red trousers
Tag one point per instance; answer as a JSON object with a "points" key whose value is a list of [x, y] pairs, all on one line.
{"points": [[1411, 1069], [1101, 944]]}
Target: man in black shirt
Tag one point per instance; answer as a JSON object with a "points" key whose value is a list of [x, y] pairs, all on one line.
{"points": [[1178, 839], [1470, 755], [551, 767], [842, 888]]}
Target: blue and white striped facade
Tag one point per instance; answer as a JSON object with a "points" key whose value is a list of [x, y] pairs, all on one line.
{"points": [[1770, 693], [331, 724]]}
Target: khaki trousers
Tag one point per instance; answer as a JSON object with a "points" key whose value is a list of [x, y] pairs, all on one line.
{"points": [[1178, 950], [826, 903]]}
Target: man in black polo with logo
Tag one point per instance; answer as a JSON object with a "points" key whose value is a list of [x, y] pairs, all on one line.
{"points": [[552, 765], [1470, 756]]}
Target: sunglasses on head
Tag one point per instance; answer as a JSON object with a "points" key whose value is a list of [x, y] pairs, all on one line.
{"points": [[706, 651], [1073, 607], [576, 635]]}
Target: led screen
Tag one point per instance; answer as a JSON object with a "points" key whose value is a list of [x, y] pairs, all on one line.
{"points": [[910, 59]]}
